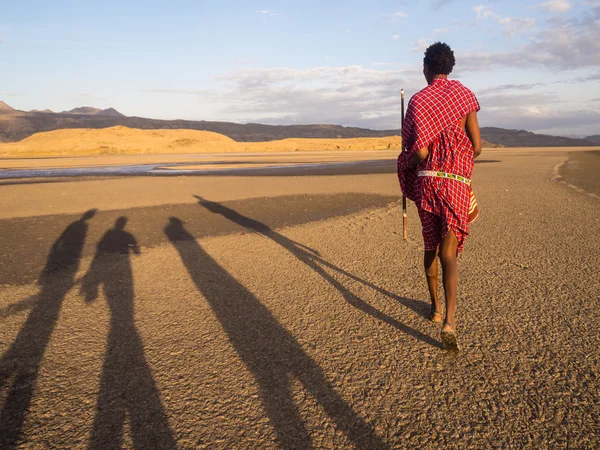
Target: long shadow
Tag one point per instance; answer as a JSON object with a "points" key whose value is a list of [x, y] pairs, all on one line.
{"points": [[20, 364], [269, 351], [127, 388], [312, 259]]}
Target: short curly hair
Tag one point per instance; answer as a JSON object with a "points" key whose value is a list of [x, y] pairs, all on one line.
{"points": [[440, 58]]}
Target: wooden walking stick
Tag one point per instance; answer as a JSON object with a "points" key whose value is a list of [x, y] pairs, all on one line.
{"points": [[404, 228]]}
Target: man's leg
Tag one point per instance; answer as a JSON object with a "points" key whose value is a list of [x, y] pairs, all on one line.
{"points": [[431, 273], [448, 257]]}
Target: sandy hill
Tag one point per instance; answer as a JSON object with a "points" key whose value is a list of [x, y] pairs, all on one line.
{"points": [[122, 140], [5, 107]]}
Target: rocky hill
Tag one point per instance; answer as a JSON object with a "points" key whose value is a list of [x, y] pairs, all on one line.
{"points": [[595, 138], [94, 111], [522, 138], [17, 125]]}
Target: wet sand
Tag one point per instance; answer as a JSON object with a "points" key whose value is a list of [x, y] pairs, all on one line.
{"points": [[582, 170], [287, 312]]}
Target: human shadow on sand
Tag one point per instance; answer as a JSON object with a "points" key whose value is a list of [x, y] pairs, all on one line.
{"points": [[20, 364], [312, 259], [268, 350], [127, 388]]}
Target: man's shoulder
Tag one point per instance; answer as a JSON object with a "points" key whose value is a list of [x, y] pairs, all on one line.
{"points": [[421, 95], [459, 87]]}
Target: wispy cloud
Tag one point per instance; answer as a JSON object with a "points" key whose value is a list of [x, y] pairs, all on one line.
{"points": [[86, 96], [482, 11], [564, 44], [395, 16], [510, 25], [436, 4], [420, 46], [350, 95], [396, 37], [266, 13], [203, 92], [369, 97], [540, 115], [509, 87], [513, 25], [556, 6]]}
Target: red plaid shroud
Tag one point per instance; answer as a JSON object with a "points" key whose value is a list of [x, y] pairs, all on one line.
{"points": [[434, 120]]}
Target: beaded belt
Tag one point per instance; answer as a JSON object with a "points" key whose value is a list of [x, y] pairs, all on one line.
{"points": [[451, 176]]}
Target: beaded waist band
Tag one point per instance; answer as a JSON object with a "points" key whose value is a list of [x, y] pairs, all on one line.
{"points": [[439, 174]]}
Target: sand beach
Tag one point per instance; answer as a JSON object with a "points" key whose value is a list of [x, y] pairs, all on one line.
{"points": [[285, 311]]}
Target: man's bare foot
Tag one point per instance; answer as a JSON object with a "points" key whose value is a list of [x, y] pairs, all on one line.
{"points": [[435, 316], [449, 338]]}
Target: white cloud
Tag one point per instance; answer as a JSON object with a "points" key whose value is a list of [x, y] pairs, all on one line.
{"points": [[437, 4], [513, 25], [350, 95], [420, 46], [86, 96], [241, 61], [369, 97], [441, 30], [265, 13], [556, 6], [395, 16], [564, 44], [483, 12], [1, 39], [202, 92], [545, 119], [510, 25], [396, 37], [538, 112], [509, 87]]}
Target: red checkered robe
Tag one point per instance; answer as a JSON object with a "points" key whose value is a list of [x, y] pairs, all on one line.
{"points": [[433, 120]]}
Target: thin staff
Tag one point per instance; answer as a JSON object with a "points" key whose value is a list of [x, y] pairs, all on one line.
{"points": [[404, 219]]}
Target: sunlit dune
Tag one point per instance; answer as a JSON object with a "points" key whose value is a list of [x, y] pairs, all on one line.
{"points": [[121, 140]]}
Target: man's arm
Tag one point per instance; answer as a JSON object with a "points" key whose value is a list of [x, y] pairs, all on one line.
{"points": [[472, 129], [418, 156]]}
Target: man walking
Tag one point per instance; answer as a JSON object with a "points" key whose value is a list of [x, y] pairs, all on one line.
{"points": [[441, 136]]}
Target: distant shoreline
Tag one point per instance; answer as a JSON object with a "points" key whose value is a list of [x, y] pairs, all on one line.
{"points": [[580, 171]]}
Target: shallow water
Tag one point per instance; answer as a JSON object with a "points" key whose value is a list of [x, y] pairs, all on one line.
{"points": [[337, 168]]}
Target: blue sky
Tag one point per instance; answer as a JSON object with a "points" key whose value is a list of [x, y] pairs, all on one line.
{"points": [[534, 65]]}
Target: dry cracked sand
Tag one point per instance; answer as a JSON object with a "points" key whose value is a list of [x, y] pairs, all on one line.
{"points": [[287, 312]]}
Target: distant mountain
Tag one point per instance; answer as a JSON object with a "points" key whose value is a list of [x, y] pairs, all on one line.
{"points": [[594, 138], [16, 125], [95, 111], [522, 138], [5, 107]]}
